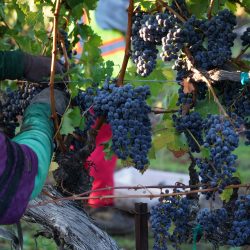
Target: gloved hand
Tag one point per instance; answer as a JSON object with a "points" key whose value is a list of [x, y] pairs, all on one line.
{"points": [[36, 68], [61, 101]]}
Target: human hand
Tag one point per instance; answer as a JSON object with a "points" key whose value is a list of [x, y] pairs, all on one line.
{"points": [[36, 68], [61, 101]]}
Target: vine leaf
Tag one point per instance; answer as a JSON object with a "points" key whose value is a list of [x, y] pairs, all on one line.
{"points": [[207, 106], [107, 149], [238, 175], [71, 119], [246, 5], [53, 166], [145, 5], [169, 138], [231, 6], [196, 6], [226, 194], [151, 153], [205, 153]]}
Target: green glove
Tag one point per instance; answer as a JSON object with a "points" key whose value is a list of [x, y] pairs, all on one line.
{"points": [[61, 101]]}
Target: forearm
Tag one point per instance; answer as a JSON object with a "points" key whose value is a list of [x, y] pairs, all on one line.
{"points": [[37, 134], [11, 65], [18, 168]]}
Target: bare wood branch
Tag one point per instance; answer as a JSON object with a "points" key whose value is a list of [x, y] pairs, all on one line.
{"points": [[217, 75], [128, 44], [52, 75], [70, 224], [203, 78]]}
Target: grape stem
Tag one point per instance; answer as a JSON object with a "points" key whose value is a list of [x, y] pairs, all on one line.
{"points": [[167, 111], [242, 52], [172, 11], [149, 196], [65, 55], [204, 79], [179, 8], [52, 76], [210, 8], [120, 80]]}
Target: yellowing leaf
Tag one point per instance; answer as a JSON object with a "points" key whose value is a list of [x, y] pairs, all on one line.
{"points": [[53, 166]]}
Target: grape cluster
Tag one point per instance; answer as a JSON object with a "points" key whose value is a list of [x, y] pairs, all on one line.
{"points": [[170, 211], [221, 139], [191, 125], [180, 66], [245, 38], [144, 54], [240, 230], [154, 27], [180, 7], [212, 220], [209, 41], [126, 111], [184, 99], [15, 102], [85, 101], [171, 44], [220, 38]]}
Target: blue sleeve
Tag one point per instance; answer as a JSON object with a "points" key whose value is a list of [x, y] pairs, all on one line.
{"points": [[112, 14]]}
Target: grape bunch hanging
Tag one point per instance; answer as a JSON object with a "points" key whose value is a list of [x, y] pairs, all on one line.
{"points": [[204, 44]]}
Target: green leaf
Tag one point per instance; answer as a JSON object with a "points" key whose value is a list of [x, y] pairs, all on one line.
{"points": [[246, 5], [90, 4], [238, 175], [77, 11], [207, 106], [71, 120], [205, 153], [226, 194], [146, 5], [107, 149], [231, 5], [198, 7], [73, 3], [170, 139], [151, 154], [160, 139]]}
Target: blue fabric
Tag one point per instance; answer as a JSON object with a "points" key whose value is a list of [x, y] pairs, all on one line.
{"points": [[112, 14]]}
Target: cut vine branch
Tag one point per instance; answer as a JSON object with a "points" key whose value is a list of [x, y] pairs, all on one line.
{"points": [[52, 75], [217, 75], [208, 82], [149, 196], [128, 44]]}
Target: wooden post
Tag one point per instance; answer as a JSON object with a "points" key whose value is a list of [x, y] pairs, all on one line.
{"points": [[141, 226]]}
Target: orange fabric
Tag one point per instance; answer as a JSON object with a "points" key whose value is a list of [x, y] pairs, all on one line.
{"points": [[119, 39], [112, 51], [103, 172]]}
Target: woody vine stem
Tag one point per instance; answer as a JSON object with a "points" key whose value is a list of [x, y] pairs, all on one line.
{"points": [[52, 75]]}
